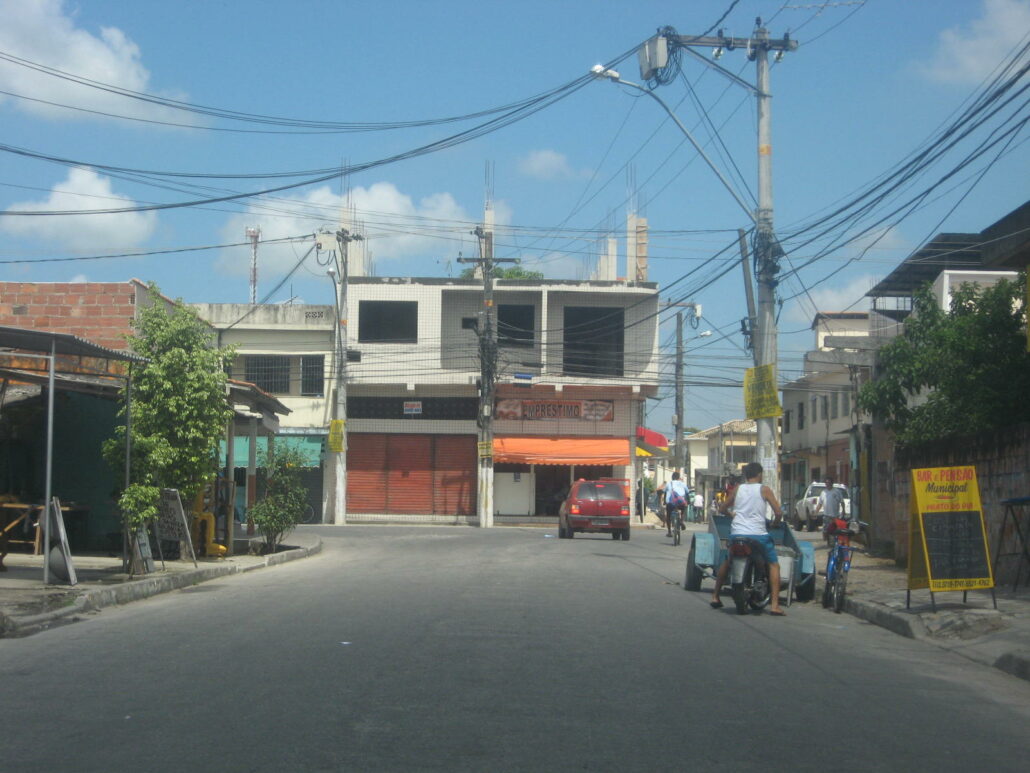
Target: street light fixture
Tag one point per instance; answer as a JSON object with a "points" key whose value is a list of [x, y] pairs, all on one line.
{"points": [[599, 71]]}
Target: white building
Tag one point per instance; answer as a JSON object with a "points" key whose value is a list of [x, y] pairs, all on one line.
{"points": [[575, 362]]}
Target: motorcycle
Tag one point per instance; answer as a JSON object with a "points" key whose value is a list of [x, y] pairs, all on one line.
{"points": [[749, 575]]}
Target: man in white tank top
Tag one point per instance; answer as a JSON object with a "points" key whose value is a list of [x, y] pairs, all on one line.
{"points": [[748, 501]]}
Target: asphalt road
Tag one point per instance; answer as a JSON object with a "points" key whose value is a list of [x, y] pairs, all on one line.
{"points": [[454, 649]]}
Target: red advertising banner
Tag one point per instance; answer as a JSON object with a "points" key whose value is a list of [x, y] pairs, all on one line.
{"points": [[543, 410]]}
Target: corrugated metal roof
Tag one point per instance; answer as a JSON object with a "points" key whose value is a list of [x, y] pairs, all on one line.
{"points": [[65, 343]]}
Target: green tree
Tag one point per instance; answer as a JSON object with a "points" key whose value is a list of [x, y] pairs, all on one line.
{"points": [[515, 272], [285, 497], [958, 372], [179, 409]]}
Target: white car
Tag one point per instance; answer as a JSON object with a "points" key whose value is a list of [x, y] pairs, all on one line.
{"points": [[804, 509]]}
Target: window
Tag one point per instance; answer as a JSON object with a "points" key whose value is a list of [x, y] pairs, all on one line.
{"points": [[593, 341], [826, 407], [270, 372], [388, 322], [815, 410], [834, 405], [786, 422], [515, 325], [845, 404], [801, 415], [312, 375]]}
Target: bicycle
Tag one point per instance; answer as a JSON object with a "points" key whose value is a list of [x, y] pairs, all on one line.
{"points": [[307, 515], [676, 525], [838, 563]]}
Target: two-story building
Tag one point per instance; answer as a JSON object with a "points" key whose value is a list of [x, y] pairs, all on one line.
{"points": [[575, 361], [819, 410]]}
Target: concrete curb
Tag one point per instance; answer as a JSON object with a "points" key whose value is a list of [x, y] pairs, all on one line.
{"points": [[93, 599], [902, 623], [1015, 662]]}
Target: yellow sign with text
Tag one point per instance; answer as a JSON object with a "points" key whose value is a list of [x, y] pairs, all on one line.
{"points": [[336, 436], [947, 538], [761, 397]]}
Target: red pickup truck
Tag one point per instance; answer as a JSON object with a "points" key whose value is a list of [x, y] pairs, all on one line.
{"points": [[595, 506]]}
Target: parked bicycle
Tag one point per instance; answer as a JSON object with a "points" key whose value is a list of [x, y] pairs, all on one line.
{"points": [[839, 562]]}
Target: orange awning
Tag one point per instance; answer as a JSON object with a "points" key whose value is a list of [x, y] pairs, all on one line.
{"points": [[565, 450]]}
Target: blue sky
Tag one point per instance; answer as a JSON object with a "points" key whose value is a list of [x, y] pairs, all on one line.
{"points": [[869, 83]]}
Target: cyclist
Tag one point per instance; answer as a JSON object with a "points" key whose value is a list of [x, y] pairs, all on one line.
{"points": [[675, 502]]}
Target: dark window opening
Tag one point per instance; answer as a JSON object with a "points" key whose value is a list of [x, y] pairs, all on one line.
{"points": [[515, 325], [801, 415], [270, 372], [593, 341], [388, 322], [786, 422], [312, 375]]}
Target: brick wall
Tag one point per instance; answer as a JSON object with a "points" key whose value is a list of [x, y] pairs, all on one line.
{"points": [[1002, 461], [100, 312]]}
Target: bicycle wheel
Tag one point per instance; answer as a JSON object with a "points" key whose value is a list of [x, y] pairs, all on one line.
{"points": [[839, 589], [308, 514], [676, 531]]}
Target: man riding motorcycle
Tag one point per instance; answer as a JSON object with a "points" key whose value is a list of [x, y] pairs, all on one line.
{"points": [[748, 501]]}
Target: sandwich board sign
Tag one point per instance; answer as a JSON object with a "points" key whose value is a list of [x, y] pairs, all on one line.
{"points": [[947, 537]]}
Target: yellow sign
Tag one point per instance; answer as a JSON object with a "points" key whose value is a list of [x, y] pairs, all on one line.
{"points": [[947, 538], [485, 448], [336, 427], [761, 398]]}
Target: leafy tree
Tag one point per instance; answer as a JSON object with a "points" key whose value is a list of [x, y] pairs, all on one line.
{"points": [[285, 495], [515, 272], [957, 372], [179, 409]]}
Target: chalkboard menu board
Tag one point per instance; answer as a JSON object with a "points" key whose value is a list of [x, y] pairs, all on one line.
{"points": [[947, 538]]}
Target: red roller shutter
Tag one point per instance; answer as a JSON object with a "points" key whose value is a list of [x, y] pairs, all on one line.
{"points": [[366, 473], [409, 477], [454, 475]]}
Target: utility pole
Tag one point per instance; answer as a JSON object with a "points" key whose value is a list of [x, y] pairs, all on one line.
{"points": [[680, 456], [487, 375], [343, 239], [253, 234], [767, 248]]}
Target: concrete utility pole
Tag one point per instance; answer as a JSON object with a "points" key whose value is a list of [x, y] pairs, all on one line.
{"points": [[343, 239], [254, 234], [487, 375], [654, 56], [680, 456]]}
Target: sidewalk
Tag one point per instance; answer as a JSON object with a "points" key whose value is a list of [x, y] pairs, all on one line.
{"points": [[27, 606], [994, 637]]}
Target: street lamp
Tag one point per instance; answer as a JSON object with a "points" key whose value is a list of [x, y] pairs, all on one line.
{"points": [[613, 75]]}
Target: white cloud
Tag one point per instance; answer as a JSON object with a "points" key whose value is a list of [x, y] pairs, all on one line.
{"points": [[966, 55], [831, 296], [79, 279], [878, 240], [405, 237], [84, 189], [547, 165], [45, 32]]}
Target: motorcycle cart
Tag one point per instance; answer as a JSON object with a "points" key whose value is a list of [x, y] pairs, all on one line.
{"points": [[797, 558]]}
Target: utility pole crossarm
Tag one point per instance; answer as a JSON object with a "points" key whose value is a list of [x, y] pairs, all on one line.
{"points": [[786, 43]]}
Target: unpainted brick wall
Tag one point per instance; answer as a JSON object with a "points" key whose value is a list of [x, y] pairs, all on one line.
{"points": [[100, 312], [1002, 461]]}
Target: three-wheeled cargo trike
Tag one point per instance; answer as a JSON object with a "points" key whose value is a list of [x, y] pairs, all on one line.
{"points": [[796, 558]]}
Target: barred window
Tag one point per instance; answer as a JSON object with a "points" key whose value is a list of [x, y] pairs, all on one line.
{"points": [[270, 372], [312, 375]]}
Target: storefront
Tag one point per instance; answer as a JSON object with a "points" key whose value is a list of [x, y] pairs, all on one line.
{"points": [[543, 443], [408, 474]]}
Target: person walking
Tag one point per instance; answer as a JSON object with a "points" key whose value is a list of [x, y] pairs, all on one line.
{"points": [[699, 507]]}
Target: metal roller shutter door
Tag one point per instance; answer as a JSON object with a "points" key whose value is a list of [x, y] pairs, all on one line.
{"points": [[366, 473], [409, 476], [454, 475]]}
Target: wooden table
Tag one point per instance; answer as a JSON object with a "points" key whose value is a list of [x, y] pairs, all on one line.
{"points": [[13, 514]]}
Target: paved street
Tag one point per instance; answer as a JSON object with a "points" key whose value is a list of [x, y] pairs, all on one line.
{"points": [[422, 648]]}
